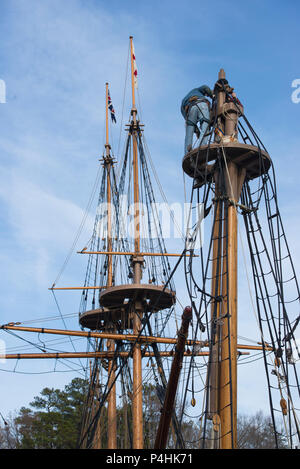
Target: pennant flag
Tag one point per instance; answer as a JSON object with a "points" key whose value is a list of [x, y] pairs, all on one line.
{"points": [[134, 68], [111, 108]]}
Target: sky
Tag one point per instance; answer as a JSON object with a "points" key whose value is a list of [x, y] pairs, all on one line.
{"points": [[55, 58]]}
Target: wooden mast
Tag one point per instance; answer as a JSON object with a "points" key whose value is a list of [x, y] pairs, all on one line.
{"points": [[112, 403], [228, 175], [232, 182], [137, 261]]}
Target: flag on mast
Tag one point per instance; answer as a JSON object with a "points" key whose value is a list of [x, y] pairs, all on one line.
{"points": [[134, 67], [111, 108]]}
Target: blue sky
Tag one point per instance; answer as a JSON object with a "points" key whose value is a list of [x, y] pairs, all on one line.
{"points": [[55, 58]]}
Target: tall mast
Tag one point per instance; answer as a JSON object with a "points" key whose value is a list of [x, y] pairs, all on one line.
{"points": [[122, 305], [228, 177], [228, 184], [137, 261], [234, 178], [135, 157], [108, 164], [111, 411]]}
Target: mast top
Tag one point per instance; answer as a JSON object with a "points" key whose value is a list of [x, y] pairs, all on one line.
{"points": [[221, 74]]}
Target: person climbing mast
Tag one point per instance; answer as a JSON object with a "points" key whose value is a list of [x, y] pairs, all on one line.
{"points": [[195, 107]]}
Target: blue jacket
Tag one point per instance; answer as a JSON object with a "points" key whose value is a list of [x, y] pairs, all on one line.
{"points": [[201, 92]]}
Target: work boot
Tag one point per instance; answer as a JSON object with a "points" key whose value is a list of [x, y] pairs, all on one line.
{"points": [[198, 182]]}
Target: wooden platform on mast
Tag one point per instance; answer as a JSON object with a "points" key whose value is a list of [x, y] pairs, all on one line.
{"points": [[155, 296], [116, 302], [98, 319], [254, 160]]}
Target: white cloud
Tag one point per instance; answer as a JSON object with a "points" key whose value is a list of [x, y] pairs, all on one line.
{"points": [[43, 226]]}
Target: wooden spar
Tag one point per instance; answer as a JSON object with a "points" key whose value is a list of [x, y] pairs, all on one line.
{"points": [[101, 335], [152, 254], [129, 337], [167, 410], [137, 399], [104, 354], [112, 398]]}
